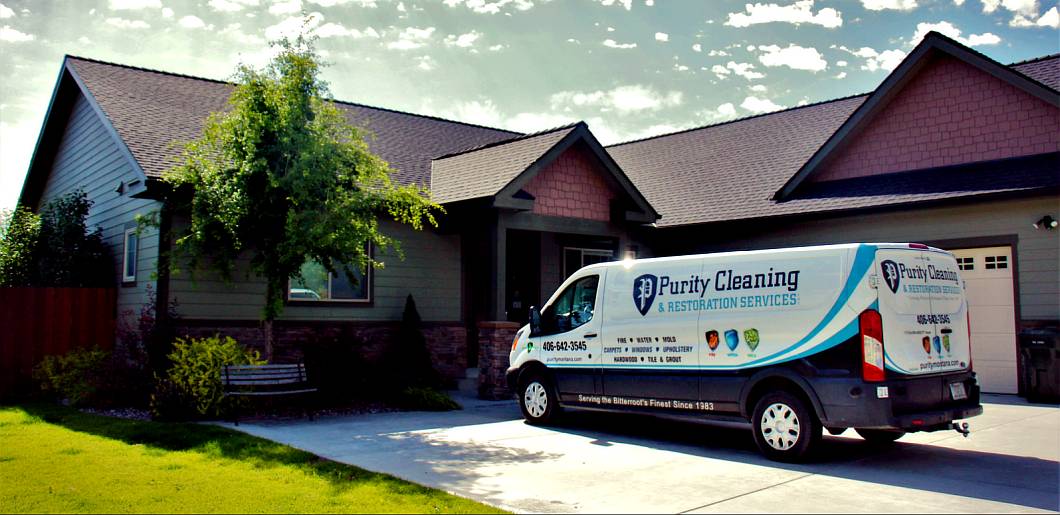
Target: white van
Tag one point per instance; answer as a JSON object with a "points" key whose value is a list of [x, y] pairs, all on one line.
{"points": [[866, 336]]}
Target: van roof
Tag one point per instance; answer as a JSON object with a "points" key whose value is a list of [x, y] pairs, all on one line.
{"points": [[739, 253]]}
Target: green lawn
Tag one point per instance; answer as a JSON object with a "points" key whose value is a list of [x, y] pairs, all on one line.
{"points": [[55, 459]]}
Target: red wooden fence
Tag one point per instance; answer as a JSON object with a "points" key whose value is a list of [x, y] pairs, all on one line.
{"points": [[38, 322]]}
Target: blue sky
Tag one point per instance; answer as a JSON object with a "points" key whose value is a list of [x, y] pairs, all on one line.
{"points": [[630, 68]]}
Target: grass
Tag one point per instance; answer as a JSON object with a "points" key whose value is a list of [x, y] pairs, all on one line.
{"points": [[55, 459]]}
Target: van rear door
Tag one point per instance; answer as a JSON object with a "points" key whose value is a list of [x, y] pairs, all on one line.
{"points": [[923, 308]]}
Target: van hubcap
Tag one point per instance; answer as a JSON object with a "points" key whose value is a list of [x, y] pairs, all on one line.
{"points": [[536, 399], [780, 426]]}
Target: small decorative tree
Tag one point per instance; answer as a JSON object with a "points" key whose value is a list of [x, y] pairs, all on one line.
{"points": [[282, 178], [410, 361]]}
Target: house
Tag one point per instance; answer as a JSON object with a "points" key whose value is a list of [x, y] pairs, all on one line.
{"points": [[952, 149]]}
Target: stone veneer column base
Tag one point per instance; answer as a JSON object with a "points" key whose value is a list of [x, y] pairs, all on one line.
{"points": [[494, 345]]}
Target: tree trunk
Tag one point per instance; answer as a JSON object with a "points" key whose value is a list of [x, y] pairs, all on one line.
{"points": [[267, 327]]}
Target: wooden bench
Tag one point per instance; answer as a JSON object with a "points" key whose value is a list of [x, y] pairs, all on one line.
{"points": [[265, 380]]}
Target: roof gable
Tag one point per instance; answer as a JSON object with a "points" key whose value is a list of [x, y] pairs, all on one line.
{"points": [[503, 170], [934, 47]]}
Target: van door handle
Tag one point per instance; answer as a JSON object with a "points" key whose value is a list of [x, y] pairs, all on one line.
{"points": [[589, 335]]}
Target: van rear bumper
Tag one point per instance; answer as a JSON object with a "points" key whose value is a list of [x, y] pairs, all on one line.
{"points": [[910, 404]]}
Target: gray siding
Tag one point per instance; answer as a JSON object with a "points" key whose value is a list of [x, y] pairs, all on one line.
{"points": [[430, 272], [1037, 251], [88, 158]]}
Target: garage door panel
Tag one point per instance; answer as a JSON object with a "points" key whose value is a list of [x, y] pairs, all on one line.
{"points": [[992, 315], [996, 376]]}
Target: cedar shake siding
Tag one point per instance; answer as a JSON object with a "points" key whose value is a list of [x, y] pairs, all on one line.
{"points": [[87, 157], [574, 186], [950, 113]]}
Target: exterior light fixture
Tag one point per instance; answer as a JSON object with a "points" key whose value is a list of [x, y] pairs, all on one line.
{"points": [[1045, 222]]}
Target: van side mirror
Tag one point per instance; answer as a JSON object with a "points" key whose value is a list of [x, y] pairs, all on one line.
{"points": [[535, 321]]}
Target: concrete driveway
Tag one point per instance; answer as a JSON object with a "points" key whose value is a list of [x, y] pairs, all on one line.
{"points": [[608, 463]]}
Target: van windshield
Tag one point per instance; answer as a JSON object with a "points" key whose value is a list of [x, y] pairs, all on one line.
{"points": [[572, 308]]}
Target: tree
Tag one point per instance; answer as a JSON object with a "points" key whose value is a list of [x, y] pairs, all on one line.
{"points": [[282, 178], [53, 248]]}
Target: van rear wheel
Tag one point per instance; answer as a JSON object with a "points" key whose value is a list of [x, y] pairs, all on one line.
{"points": [[785, 429], [537, 400], [879, 436]]}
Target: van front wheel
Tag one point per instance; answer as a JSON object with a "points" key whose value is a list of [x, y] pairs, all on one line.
{"points": [[537, 400], [784, 427]]}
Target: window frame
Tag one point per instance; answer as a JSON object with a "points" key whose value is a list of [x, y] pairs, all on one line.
{"points": [[572, 288], [125, 278], [367, 301], [583, 251]]}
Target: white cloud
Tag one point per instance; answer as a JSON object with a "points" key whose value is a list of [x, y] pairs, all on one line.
{"points": [[1024, 7], [133, 5], [760, 105], [610, 29], [624, 99], [280, 7], [427, 63], [613, 44], [6, 12], [575, 41], [797, 13], [14, 36], [759, 88], [662, 36], [167, 12], [886, 60], [492, 7], [463, 40], [292, 26], [714, 53], [649, 3], [948, 29], [235, 32], [958, 3], [191, 22], [1051, 18], [628, 4], [745, 70], [841, 75], [724, 111], [841, 63], [122, 23], [498, 47], [231, 6], [411, 38], [84, 41], [794, 57], [897, 5], [697, 47], [335, 30], [331, 3]]}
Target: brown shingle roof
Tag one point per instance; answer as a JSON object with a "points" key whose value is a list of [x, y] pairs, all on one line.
{"points": [[150, 109], [482, 172], [737, 166]]}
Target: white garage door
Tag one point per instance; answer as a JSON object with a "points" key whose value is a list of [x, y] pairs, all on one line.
{"points": [[987, 274]]}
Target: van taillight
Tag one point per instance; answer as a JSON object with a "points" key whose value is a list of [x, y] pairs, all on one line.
{"points": [[871, 328]]}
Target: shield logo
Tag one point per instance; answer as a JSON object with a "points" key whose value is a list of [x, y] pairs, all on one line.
{"points": [[890, 274], [644, 292]]}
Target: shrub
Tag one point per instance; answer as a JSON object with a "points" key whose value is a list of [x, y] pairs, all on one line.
{"points": [[408, 362], [77, 376], [425, 399], [195, 375]]}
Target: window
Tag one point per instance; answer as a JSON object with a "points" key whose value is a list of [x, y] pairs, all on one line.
{"points": [[996, 262], [572, 308], [575, 258], [966, 263], [129, 256], [317, 284]]}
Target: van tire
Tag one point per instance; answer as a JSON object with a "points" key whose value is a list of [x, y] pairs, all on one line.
{"points": [[880, 436], [785, 428], [537, 399]]}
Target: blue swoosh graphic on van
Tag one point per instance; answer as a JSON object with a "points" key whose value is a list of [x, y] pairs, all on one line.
{"points": [[863, 260], [891, 365]]}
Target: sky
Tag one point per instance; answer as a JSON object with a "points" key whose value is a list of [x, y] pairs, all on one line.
{"points": [[629, 68]]}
